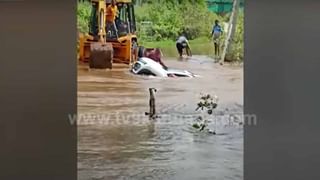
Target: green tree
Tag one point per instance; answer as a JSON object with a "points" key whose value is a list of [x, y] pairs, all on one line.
{"points": [[83, 16]]}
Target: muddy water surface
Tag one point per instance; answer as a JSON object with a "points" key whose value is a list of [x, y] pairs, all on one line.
{"points": [[121, 143]]}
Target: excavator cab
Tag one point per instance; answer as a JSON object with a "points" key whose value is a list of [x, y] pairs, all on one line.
{"points": [[125, 20], [124, 46]]}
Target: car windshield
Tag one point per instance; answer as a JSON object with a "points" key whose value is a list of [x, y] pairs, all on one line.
{"points": [[136, 66]]}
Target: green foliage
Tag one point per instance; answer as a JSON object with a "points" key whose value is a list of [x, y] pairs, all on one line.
{"points": [[171, 18], [196, 125], [208, 103], [83, 16]]}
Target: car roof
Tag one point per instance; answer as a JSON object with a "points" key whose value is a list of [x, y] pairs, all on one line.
{"points": [[153, 66]]}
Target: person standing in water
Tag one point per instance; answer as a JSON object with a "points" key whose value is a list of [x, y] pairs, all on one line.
{"points": [[183, 43], [216, 34]]}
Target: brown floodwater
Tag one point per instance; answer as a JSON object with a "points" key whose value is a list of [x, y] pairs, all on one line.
{"points": [[117, 141]]}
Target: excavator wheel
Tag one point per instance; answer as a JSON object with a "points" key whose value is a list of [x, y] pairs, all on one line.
{"points": [[101, 55]]}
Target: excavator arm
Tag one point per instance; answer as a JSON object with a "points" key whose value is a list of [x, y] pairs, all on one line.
{"points": [[102, 22], [101, 55]]}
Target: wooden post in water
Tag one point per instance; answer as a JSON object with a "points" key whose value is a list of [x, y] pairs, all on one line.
{"points": [[152, 104], [231, 30]]}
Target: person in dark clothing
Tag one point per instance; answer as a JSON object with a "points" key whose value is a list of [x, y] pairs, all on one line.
{"points": [[216, 34], [183, 43]]}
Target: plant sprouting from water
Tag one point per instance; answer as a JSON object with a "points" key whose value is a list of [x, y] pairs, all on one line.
{"points": [[207, 103]]}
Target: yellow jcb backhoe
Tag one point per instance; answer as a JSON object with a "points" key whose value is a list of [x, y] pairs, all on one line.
{"points": [[103, 46]]}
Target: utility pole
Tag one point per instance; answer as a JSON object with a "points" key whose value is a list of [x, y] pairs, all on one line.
{"points": [[231, 29]]}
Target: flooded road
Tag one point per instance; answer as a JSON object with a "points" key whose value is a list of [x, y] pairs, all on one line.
{"points": [[120, 142]]}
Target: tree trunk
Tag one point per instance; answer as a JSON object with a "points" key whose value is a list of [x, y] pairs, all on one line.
{"points": [[231, 30]]}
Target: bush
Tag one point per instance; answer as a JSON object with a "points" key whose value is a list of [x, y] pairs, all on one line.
{"points": [[170, 20], [83, 16]]}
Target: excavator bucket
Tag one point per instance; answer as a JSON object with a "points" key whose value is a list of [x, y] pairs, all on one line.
{"points": [[101, 55]]}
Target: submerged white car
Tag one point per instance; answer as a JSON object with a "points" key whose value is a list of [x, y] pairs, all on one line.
{"points": [[146, 66]]}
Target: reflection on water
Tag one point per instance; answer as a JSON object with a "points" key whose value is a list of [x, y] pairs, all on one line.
{"points": [[154, 150]]}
